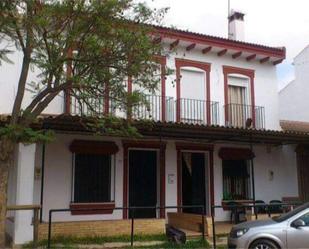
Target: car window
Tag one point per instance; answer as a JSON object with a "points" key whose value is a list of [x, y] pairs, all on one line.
{"points": [[305, 218], [290, 214]]}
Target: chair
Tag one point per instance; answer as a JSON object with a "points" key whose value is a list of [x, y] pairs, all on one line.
{"points": [[236, 210], [276, 207], [260, 209]]}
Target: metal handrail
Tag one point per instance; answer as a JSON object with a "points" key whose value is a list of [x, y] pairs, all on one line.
{"points": [[51, 211], [237, 115], [198, 111], [36, 209]]}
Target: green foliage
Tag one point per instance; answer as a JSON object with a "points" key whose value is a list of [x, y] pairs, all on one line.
{"points": [[21, 134], [227, 196], [73, 242], [101, 44]]}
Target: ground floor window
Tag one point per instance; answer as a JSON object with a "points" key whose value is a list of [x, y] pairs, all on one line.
{"points": [[93, 178], [236, 179]]}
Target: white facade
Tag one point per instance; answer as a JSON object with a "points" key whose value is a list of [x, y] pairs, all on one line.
{"points": [[58, 176], [274, 166], [294, 98]]}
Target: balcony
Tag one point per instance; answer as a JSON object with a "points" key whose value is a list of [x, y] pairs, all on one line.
{"points": [[194, 111], [155, 108], [244, 116], [190, 111]]}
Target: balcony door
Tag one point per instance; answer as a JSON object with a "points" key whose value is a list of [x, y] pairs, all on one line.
{"points": [[238, 98], [193, 96]]}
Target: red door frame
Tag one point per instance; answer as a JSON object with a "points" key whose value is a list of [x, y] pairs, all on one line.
{"points": [[161, 146], [206, 67], [195, 147], [242, 71]]}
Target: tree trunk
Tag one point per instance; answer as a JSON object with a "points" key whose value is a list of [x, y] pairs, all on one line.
{"points": [[6, 156]]}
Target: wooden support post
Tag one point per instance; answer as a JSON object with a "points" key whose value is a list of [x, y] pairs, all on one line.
{"points": [[35, 227]]}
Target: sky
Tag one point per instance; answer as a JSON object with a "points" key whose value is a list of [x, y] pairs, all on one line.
{"points": [[268, 22]]}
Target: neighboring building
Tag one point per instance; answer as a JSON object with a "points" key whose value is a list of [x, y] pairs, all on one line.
{"points": [[216, 135], [294, 115], [294, 97]]}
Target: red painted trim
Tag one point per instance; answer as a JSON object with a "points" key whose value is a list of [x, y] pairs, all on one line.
{"points": [[236, 55], [220, 42], [157, 40], [222, 52], [150, 145], [68, 91], [174, 44], [243, 71], [266, 59], [251, 57], [277, 62], [190, 47], [237, 70], [83, 208], [197, 64], [206, 50], [194, 146], [180, 146]]}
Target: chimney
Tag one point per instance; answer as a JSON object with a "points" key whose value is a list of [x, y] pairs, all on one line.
{"points": [[236, 25]]}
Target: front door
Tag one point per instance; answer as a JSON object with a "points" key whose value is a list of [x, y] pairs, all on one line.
{"points": [[194, 181], [143, 182]]}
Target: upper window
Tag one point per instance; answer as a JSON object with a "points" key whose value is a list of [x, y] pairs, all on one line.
{"points": [[238, 90], [93, 178]]}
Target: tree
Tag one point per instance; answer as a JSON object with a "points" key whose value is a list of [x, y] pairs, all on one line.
{"points": [[86, 49]]}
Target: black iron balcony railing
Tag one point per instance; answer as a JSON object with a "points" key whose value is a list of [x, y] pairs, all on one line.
{"points": [[155, 108], [196, 111], [88, 107], [246, 116]]}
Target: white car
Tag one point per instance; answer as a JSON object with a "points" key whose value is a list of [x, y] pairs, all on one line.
{"points": [[290, 230]]}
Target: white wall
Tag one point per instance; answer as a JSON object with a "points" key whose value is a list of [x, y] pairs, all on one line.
{"points": [[294, 98], [58, 176], [9, 76]]}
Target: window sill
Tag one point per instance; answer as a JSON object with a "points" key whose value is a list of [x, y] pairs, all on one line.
{"points": [[92, 208]]}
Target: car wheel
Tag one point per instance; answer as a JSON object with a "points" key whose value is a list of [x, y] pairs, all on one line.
{"points": [[263, 244]]}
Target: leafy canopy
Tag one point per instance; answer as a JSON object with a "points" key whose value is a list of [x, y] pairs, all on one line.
{"points": [[85, 48]]}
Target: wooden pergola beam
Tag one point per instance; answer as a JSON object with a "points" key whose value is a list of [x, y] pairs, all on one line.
{"points": [[266, 59], [174, 44], [236, 55], [206, 50], [251, 57], [190, 47], [222, 52]]}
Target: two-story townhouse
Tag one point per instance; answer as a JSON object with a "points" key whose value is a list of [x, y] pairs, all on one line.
{"points": [[215, 136]]}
